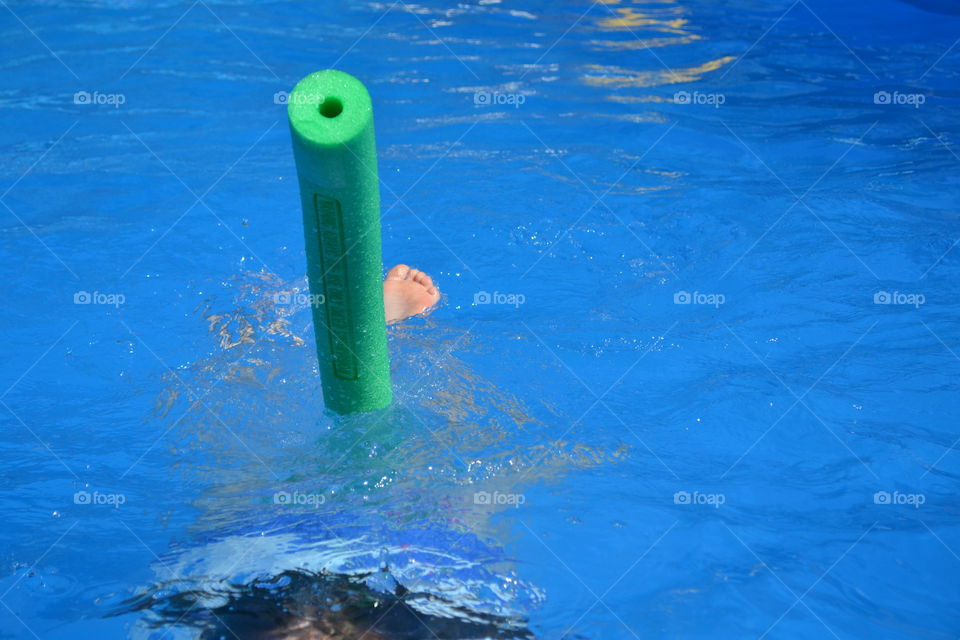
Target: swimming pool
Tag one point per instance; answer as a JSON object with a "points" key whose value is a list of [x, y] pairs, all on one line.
{"points": [[694, 373]]}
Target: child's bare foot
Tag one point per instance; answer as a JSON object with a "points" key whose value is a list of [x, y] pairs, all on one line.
{"points": [[407, 292]]}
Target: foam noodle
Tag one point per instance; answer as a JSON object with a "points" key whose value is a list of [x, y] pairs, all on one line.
{"points": [[331, 122]]}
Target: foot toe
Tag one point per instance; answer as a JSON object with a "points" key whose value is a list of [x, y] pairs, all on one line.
{"points": [[399, 272], [424, 279]]}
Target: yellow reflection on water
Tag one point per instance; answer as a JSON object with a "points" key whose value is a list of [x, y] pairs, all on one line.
{"points": [[671, 26], [646, 43], [600, 75], [629, 18]]}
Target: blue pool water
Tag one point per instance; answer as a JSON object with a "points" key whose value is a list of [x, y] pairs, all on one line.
{"points": [[694, 374]]}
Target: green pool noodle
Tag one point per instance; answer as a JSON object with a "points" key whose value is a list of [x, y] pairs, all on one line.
{"points": [[331, 124]]}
